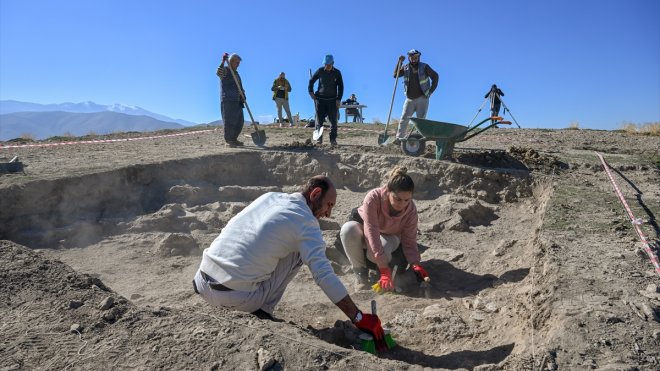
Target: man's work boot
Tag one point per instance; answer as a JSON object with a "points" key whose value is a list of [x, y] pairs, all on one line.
{"points": [[234, 143], [361, 279]]}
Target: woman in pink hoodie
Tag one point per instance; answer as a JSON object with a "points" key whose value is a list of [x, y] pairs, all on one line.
{"points": [[386, 220]]}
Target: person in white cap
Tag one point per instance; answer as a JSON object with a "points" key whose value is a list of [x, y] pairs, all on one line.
{"points": [[419, 83], [328, 95]]}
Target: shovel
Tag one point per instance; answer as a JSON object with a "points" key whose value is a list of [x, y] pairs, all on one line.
{"points": [[384, 139], [318, 133], [258, 136]]}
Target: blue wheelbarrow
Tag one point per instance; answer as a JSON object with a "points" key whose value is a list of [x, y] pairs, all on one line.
{"points": [[445, 135]]}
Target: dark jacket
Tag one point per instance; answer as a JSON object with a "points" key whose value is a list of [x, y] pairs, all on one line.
{"points": [[230, 91], [494, 93], [331, 84], [351, 111]]}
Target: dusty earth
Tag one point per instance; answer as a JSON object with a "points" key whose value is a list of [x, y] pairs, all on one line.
{"points": [[533, 260]]}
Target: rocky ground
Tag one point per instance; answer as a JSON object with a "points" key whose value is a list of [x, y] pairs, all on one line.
{"points": [[534, 263]]}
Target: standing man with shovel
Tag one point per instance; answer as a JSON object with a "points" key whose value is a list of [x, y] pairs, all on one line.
{"points": [[418, 89], [231, 106], [327, 97]]}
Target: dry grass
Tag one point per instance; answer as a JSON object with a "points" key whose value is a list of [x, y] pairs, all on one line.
{"points": [[574, 126], [648, 128], [27, 136], [651, 128]]}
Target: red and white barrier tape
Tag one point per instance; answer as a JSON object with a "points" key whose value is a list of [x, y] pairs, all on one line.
{"points": [[634, 221], [10, 146], [104, 140]]}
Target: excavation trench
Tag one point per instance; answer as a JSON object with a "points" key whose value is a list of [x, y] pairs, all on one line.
{"points": [[477, 232]]}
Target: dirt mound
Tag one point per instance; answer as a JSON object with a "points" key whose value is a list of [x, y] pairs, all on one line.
{"points": [[528, 271], [55, 318], [534, 160], [490, 159]]}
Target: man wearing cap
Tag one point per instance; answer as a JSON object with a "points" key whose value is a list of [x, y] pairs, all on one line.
{"points": [[328, 95], [231, 102], [281, 89], [419, 82]]}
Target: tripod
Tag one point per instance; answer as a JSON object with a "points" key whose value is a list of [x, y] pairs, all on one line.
{"points": [[505, 110]]}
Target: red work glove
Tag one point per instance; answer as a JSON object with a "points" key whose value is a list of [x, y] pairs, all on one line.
{"points": [[420, 272], [371, 324], [385, 281]]}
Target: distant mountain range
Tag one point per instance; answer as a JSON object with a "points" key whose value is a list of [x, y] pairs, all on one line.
{"points": [[12, 106], [41, 121], [42, 125]]}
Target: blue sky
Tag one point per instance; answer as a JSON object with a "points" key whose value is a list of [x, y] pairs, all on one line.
{"points": [[591, 62]]}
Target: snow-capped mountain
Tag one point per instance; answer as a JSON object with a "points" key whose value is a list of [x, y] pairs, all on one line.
{"points": [[12, 106], [42, 125]]}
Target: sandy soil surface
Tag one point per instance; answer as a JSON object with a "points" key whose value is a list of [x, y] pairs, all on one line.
{"points": [[533, 261]]}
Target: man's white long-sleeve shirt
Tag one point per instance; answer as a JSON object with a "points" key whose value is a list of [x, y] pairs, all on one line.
{"points": [[273, 226]]}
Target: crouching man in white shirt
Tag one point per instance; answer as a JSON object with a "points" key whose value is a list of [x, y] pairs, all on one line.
{"points": [[261, 249]]}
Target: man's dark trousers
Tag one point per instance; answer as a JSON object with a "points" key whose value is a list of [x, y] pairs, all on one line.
{"points": [[328, 107]]}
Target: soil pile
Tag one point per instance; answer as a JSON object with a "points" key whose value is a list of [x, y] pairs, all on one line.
{"points": [[533, 262]]}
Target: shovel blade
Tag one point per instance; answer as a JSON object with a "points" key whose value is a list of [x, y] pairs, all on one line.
{"points": [[318, 133], [384, 139], [259, 137]]}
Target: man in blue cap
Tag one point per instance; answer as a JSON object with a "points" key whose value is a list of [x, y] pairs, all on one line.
{"points": [[328, 95]]}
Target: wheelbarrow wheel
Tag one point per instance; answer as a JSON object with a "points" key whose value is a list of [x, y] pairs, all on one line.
{"points": [[414, 145]]}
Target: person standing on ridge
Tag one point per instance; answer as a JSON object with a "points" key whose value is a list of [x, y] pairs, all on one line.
{"points": [[494, 94], [419, 83], [231, 101], [281, 89], [328, 95]]}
